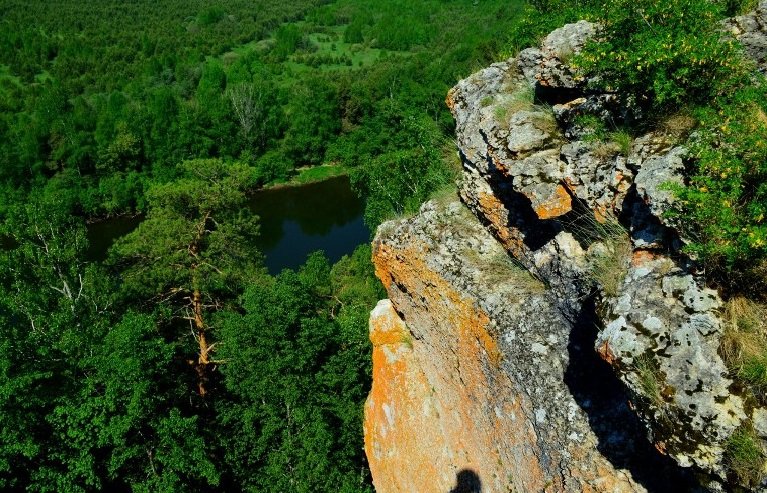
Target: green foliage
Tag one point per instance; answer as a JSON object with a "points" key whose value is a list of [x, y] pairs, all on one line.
{"points": [[210, 15], [400, 180], [122, 408], [745, 456], [99, 394], [118, 101], [537, 18], [45, 290], [273, 166], [299, 377], [664, 53], [725, 203], [353, 32], [288, 39], [195, 236]]}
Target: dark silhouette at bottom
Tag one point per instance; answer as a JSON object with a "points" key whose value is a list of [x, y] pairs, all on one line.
{"points": [[467, 481]]}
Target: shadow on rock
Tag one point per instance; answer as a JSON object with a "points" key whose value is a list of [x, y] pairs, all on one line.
{"points": [[622, 437], [467, 481]]}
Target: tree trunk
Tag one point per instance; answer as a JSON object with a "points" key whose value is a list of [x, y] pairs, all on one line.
{"points": [[202, 361]]}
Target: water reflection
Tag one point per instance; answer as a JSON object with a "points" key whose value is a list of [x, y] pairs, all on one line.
{"points": [[296, 221]]}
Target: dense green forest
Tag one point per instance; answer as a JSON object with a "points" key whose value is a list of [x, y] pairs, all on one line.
{"points": [[177, 363], [101, 99]]}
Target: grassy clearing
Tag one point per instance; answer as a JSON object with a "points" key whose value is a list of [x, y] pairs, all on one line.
{"points": [[745, 456], [327, 52], [744, 345], [311, 174], [318, 173], [330, 52]]}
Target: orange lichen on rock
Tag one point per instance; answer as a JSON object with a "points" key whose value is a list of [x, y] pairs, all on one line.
{"points": [[641, 257], [399, 388], [496, 213], [605, 352], [450, 99], [436, 407], [558, 204]]}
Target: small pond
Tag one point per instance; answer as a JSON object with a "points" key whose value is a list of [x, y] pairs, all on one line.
{"points": [[295, 221]]}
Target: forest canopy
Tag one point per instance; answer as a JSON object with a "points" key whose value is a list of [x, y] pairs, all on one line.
{"points": [[174, 361]]}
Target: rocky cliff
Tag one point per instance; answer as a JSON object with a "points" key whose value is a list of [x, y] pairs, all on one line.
{"points": [[543, 332]]}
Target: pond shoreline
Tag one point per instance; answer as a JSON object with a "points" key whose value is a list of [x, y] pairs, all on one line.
{"points": [[295, 218], [334, 171], [293, 182]]}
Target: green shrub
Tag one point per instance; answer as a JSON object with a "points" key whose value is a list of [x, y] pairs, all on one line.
{"points": [[665, 53], [210, 15], [725, 202], [540, 17]]}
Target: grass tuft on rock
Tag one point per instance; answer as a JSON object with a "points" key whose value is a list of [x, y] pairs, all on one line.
{"points": [[744, 345], [745, 456], [650, 379], [623, 139], [609, 252], [521, 97]]}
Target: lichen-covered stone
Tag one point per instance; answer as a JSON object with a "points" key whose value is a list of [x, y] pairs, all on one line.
{"points": [[655, 175], [662, 334], [481, 354], [469, 369]]}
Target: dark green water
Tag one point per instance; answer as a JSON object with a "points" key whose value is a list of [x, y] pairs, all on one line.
{"points": [[295, 221]]}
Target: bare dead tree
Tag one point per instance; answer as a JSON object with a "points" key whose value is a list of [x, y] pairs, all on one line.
{"points": [[247, 101]]}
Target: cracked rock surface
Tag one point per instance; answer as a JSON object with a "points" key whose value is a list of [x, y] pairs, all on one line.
{"points": [[546, 333]]}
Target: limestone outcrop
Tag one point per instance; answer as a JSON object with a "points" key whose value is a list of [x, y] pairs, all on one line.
{"points": [[474, 373], [545, 332], [751, 31]]}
